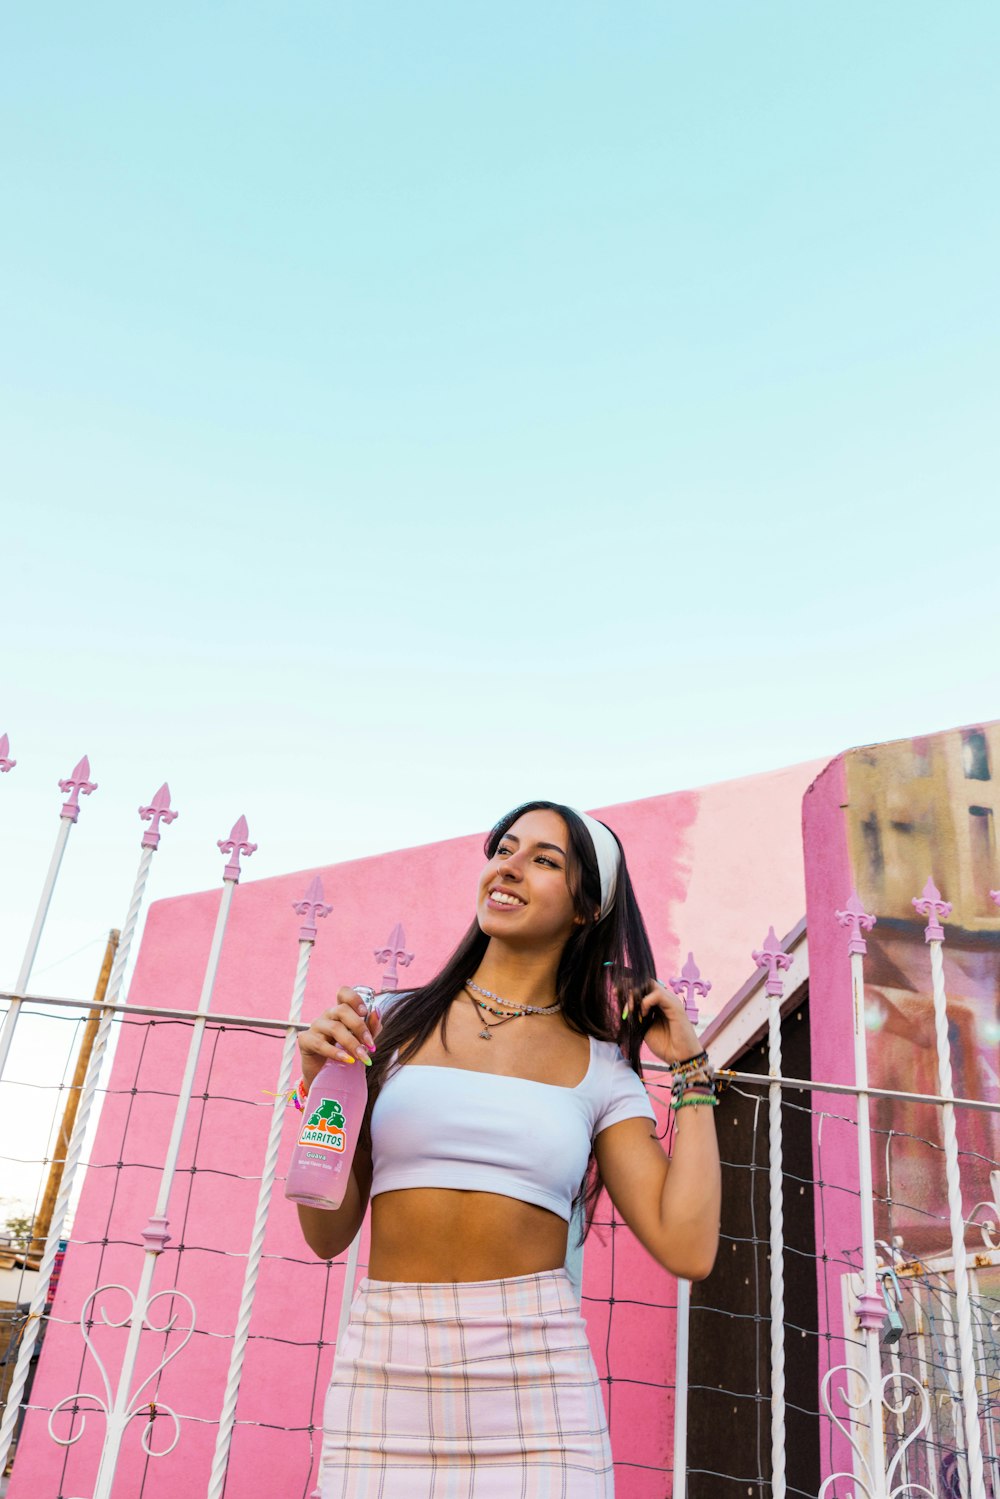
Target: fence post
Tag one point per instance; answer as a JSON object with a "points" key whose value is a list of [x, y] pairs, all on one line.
{"points": [[774, 960], [930, 904], [350, 1276], [310, 907], [158, 811], [870, 1308], [689, 986], [78, 781], [43, 1218], [155, 1236]]}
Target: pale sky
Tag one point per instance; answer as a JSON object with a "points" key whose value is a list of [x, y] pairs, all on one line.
{"points": [[410, 410]]}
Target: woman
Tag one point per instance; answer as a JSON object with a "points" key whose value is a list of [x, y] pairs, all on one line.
{"points": [[498, 1097]]}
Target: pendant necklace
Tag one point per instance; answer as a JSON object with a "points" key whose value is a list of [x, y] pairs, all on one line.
{"points": [[484, 1034], [510, 1014]]}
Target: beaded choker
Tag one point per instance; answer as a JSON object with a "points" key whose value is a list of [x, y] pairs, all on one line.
{"points": [[522, 1009]]}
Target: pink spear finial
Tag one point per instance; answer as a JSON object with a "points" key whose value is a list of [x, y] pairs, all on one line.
{"points": [[76, 783], [235, 845], [5, 763], [394, 952], [774, 960], [689, 985], [310, 906], [158, 811], [931, 905], [858, 919]]}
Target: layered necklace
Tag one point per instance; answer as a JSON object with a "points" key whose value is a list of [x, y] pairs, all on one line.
{"points": [[510, 1011]]}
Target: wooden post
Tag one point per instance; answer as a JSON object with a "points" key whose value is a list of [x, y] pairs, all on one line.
{"points": [[44, 1217]]}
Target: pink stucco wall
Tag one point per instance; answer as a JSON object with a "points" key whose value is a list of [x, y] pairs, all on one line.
{"points": [[713, 869]]}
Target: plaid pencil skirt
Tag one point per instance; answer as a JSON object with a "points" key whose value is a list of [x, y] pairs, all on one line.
{"points": [[469, 1390]]}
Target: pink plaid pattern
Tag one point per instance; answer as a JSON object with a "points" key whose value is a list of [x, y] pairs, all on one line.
{"points": [[473, 1390]]}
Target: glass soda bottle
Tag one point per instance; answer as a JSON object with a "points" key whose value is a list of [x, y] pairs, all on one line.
{"points": [[328, 1132]]}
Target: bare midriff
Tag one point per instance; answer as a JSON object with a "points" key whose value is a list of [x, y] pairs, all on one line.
{"points": [[439, 1234]]}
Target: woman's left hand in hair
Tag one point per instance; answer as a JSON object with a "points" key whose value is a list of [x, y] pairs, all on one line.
{"points": [[671, 1037]]}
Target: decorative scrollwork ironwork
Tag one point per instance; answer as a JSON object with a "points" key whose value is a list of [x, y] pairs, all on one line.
{"points": [[863, 1481], [136, 1406], [901, 1491], [987, 1226]]}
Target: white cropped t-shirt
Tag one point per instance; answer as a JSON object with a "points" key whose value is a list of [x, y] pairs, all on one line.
{"points": [[439, 1126]]}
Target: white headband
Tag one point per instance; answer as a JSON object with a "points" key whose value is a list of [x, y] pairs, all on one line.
{"points": [[608, 856]]}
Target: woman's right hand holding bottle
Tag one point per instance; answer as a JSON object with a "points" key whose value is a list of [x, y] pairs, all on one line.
{"points": [[345, 1033]]}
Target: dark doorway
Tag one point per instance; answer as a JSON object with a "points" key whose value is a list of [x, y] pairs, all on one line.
{"points": [[729, 1413]]}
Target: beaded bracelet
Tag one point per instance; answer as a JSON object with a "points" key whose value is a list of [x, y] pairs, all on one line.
{"points": [[688, 1099], [689, 1064], [703, 1078], [687, 1079], [691, 1093], [290, 1097]]}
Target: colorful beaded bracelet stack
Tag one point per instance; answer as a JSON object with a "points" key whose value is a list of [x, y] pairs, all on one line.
{"points": [[695, 1082], [697, 1088]]}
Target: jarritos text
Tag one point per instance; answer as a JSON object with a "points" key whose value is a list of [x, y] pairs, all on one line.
{"points": [[325, 1126]]}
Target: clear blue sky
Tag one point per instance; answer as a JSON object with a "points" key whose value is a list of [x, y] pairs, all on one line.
{"points": [[409, 409]]}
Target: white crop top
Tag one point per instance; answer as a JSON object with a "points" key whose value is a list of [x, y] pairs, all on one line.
{"points": [[440, 1126]]}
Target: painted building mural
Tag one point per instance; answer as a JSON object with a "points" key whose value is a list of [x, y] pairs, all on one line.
{"points": [[918, 808]]}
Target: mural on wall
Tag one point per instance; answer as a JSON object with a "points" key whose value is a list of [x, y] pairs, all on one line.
{"points": [[929, 806]]}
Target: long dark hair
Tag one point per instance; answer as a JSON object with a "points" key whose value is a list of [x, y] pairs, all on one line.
{"points": [[603, 963]]}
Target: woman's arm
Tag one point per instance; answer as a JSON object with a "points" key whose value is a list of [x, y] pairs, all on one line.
{"points": [[672, 1206], [329, 1233]]}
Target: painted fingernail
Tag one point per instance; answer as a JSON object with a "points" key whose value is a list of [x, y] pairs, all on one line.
{"points": [[369, 1042], [344, 1056], [367, 1061], [625, 1013]]}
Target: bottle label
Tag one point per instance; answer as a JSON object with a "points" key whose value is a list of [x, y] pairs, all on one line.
{"points": [[325, 1126]]}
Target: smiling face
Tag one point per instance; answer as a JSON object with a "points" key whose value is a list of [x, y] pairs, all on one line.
{"points": [[524, 892]]}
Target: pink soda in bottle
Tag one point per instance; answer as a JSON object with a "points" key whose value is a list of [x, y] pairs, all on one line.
{"points": [[328, 1133]]}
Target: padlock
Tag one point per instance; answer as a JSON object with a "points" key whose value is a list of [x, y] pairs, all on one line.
{"points": [[892, 1327]]}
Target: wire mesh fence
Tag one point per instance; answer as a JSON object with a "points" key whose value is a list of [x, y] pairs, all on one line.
{"points": [[630, 1304]]}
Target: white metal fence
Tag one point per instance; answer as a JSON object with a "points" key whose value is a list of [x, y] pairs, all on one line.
{"points": [[914, 1395]]}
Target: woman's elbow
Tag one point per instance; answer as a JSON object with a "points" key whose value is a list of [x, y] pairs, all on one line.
{"points": [[323, 1234], [693, 1260], [322, 1249], [701, 1269]]}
